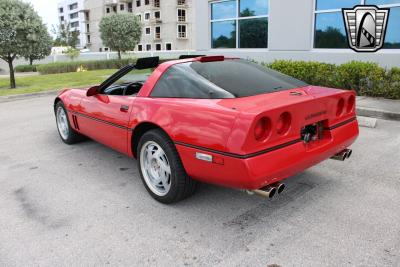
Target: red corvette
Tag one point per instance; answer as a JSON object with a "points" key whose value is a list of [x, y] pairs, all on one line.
{"points": [[211, 119]]}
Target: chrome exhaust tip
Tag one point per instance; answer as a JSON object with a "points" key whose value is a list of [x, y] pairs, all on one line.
{"points": [[280, 188], [349, 153], [342, 155], [267, 192]]}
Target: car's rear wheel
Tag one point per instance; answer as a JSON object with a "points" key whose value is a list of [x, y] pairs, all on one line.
{"points": [[67, 134], [161, 169]]}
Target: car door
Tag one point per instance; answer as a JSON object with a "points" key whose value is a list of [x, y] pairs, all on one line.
{"points": [[105, 118], [105, 114]]}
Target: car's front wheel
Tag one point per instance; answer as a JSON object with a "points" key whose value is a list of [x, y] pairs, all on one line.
{"points": [[161, 169], [67, 134]]}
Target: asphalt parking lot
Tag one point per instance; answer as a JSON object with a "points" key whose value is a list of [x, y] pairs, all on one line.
{"points": [[84, 205]]}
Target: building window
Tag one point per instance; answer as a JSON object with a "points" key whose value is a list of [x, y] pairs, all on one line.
{"points": [[158, 47], [138, 3], [148, 47], [114, 9], [168, 46], [147, 16], [156, 3], [182, 31], [130, 7], [62, 18], [88, 39], [146, 2], [330, 30], [157, 14], [157, 33], [61, 10], [139, 16], [100, 49], [239, 24], [73, 6], [181, 2], [74, 15], [140, 47], [148, 30], [107, 10], [106, 49], [181, 15], [122, 7], [75, 24]]}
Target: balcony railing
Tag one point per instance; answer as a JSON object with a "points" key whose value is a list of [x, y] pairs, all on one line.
{"points": [[182, 35], [111, 2]]}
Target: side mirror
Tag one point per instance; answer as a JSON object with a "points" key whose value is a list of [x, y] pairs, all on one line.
{"points": [[93, 91]]}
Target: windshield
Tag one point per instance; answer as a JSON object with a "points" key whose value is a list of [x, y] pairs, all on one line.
{"points": [[221, 79]]}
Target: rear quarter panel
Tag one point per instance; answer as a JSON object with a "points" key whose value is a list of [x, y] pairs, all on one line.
{"points": [[199, 122]]}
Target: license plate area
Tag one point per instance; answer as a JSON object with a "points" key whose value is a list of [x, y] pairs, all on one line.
{"points": [[312, 132]]}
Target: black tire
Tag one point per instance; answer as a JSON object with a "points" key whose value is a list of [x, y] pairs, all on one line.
{"points": [[181, 185], [72, 137]]}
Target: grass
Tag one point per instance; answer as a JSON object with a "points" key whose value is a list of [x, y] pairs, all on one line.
{"points": [[41, 83]]}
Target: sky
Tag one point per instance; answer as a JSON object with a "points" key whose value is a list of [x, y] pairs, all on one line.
{"points": [[47, 9]]}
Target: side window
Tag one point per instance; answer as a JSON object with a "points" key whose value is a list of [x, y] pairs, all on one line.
{"points": [[128, 85], [180, 81]]}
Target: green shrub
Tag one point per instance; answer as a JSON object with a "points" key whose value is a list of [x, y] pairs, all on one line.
{"points": [[64, 67], [310, 72], [365, 78], [26, 68], [390, 87]]}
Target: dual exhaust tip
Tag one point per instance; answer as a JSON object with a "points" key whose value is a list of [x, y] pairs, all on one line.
{"points": [[343, 155], [269, 191]]}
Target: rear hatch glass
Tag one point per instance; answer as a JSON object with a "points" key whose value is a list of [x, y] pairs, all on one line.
{"points": [[222, 79]]}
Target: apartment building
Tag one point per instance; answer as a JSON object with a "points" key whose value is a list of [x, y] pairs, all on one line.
{"points": [[166, 24], [69, 12]]}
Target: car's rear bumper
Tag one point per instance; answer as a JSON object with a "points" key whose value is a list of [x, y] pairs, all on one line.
{"points": [[258, 171]]}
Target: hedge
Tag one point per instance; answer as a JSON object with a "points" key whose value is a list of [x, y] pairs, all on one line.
{"points": [[26, 68], [366, 78], [64, 67]]}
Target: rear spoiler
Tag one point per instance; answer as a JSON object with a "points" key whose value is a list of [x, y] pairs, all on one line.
{"points": [[147, 63], [190, 56]]}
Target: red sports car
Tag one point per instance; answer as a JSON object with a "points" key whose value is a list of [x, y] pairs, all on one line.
{"points": [[212, 119]]}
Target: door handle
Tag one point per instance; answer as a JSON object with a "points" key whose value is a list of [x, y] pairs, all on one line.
{"points": [[124, 108]]}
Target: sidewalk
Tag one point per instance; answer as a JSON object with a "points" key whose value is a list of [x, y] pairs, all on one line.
{"points": [[378, 108]]}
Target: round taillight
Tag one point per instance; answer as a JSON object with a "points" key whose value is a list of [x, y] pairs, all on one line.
{"points": [[262, 129], [284, 123], [351, 104], [340, 108]]}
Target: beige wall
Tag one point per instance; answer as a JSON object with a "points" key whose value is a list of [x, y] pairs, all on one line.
{"points": [[96, 13]]}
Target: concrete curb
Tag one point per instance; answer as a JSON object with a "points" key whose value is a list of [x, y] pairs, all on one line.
{"points": [[27, 96], [378, 114], [367, 122]]}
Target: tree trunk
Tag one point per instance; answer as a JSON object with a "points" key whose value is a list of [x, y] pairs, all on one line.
{"points": [[119, 55], [10, 60], [30, 61]]}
